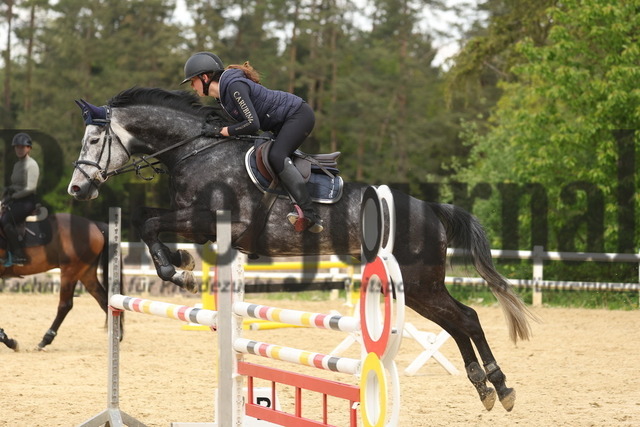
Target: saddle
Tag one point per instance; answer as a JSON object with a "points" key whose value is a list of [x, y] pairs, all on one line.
{"points": [[40, 213], [36, 230], [319, 171]]}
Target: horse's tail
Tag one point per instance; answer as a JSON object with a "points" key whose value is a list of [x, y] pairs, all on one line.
{"points": [[464, 231]]}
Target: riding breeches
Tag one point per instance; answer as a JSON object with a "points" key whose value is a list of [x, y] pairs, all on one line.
{"points": [[17, 210], [291, 136]]}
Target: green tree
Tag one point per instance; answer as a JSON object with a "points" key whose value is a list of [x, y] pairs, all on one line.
{"points": [[387, 84], [93, 51], [557, 125]]}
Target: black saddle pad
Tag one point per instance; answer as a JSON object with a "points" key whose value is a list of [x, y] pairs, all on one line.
{"points": [[36, 234], [322, 187]]}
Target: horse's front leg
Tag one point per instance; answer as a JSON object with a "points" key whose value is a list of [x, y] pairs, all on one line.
{"points": [[150, 222]]}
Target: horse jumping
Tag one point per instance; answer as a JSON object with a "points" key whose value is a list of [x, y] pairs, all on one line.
{"points": [[76, 245], [209, 174]]}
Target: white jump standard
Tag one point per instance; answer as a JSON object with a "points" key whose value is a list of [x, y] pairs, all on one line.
{"points": [[379, 385]]}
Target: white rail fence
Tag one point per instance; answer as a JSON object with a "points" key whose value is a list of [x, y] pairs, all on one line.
{"points": [[140, 273], [537, 283]]}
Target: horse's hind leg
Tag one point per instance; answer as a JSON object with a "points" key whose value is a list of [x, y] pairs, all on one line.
{"points": [[475, 373], [65, 304], [462, 323], [471, 327], [494, 374], [99, 293]]}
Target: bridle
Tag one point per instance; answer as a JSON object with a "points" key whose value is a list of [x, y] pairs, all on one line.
{"points": [[103, 173]]}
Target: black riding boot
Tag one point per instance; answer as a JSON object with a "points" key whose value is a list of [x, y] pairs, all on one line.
{"points": [[305, 216], [15, 245]]}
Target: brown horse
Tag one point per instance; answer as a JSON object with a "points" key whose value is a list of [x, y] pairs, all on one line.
{"points": [[76, 245]]}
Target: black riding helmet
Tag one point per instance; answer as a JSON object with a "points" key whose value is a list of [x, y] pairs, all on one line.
{"points": [[201, 63], [21, 139]]}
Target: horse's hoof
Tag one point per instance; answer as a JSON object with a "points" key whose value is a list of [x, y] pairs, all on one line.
{"points": [[186, 260], [489, 399], [13, 345], [38, 348], [508, 400], [186, 280]]}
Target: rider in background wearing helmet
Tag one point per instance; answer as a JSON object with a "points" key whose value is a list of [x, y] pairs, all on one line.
{"points": [[19, 199], [255, 107]]}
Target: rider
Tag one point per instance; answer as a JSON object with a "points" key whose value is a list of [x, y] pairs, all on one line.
{"points": [[288, 116], [19, 199]]}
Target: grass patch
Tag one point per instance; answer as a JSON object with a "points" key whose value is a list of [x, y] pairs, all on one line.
{"points": [[552, 297], [481, 295]]}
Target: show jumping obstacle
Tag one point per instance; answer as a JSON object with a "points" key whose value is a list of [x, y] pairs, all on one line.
{"points": [[429, 341], [295, 268], [381, 276]]}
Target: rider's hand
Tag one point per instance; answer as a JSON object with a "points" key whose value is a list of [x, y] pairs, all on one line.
{"points": [[211, 130]]}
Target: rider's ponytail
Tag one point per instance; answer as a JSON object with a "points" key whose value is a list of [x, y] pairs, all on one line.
{"points": [[249, 71]]}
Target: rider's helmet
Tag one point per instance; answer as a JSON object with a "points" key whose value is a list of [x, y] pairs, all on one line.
{"points": [[200, 63], [21, 139]]}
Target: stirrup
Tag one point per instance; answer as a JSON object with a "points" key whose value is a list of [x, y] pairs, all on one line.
{"points": [[301, 222]]}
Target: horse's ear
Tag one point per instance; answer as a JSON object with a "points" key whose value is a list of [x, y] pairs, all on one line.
{"points": [[86, 115], [91, 114]]}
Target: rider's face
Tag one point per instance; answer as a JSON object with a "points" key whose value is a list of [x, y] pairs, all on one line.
{"points": [[197, 85], [22, 150]]}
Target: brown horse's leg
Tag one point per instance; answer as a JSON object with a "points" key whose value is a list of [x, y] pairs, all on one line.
{"points": [[65, 304], [95, 288]]}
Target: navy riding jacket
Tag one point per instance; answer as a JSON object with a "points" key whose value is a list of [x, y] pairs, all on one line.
{"points": [[254, 106]]}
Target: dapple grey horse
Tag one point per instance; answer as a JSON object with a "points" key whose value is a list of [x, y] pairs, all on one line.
{"points": [[208, 174]]}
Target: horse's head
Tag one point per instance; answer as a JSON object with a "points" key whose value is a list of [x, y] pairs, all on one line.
{"points": [[154, 122], [102, 152]]}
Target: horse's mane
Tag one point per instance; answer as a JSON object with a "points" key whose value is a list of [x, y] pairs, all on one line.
{"points": [[180, 100]]}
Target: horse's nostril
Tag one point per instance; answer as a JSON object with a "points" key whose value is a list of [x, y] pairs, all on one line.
{"points": [[75, 188]]}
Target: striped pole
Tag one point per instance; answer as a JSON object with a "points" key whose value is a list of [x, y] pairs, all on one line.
{"points": [[301, 357], [163, 309], [335, 322]]}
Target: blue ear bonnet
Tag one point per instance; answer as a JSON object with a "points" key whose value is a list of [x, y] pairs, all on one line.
{"points": [[93, 115]]}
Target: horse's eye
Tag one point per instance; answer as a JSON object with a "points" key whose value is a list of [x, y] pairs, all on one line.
{"points": [[94, 141]]}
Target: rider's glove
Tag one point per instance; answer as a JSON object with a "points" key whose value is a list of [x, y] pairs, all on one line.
{"points": [[211, 129]]}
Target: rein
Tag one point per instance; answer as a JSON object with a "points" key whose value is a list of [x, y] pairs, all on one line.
{"points": [[143, 161], [103, 174]]}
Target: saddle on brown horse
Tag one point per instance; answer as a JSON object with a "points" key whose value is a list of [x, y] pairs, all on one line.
{"points": [[35, 230]]}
